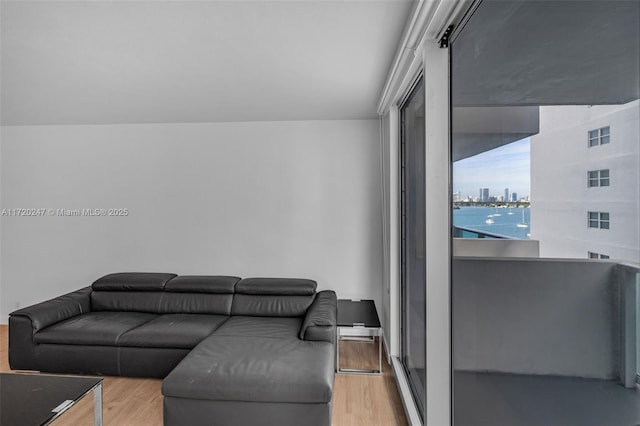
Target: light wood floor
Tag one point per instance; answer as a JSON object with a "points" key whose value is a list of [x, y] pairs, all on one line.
{"points": [[358, 400]]}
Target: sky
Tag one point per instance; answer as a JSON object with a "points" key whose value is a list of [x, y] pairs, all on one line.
{"points": [[505, 167]]}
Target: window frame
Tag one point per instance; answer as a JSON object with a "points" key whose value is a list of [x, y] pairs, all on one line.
{"points": [[598, 220], [594, 255], [600, 136], [598, 178]]}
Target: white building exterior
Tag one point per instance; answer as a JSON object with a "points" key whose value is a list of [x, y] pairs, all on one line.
{"points": [[561, 195]]}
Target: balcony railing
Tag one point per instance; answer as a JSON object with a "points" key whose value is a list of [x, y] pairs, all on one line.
{"points": [[583, 312], [462, 232]]}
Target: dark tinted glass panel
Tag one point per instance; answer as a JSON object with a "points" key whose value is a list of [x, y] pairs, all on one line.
{"points": [[531, 334], [413, 242]]}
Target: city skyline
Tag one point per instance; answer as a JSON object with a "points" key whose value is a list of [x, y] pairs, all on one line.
{"points": [[508, 166]]}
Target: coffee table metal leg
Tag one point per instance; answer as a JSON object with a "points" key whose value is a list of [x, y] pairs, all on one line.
{"points": [[97, 405], [380, 353]]}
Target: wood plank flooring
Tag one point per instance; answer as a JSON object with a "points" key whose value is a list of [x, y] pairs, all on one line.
{"points": [[358, 400]]}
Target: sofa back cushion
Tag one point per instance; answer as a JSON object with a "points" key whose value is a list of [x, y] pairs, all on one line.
{"points": [[198, 295], [273, 297], [163, 293], [131, 292], [126, 301], [132, 281]]}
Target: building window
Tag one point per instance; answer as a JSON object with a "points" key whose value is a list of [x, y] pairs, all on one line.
{"points": [[593, 255], [599, 220], [599, 136], [598, 178]]}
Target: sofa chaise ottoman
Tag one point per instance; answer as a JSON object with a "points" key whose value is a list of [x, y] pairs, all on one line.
{"points": [[231, 351]]}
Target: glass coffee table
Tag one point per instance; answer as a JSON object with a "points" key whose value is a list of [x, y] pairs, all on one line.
{"points": [[38, 399]]}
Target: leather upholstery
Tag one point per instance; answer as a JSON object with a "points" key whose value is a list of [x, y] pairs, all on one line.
{"points": [[84, 359], [202, 284], [128, 301], [270, 305], [264, 346], [107, 360], [58, 309], [148, 362], [277, 286], [160, 293], [172, 331], [195, 303], [22, 350], [195, 412], [320, 322], [230, 368], [93, 328], [274, 327], [132, 281]]}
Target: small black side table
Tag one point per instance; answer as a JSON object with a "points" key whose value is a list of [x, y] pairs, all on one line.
{"points": [[39, 399], [358, 320]]}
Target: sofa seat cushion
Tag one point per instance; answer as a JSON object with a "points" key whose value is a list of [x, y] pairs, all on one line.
{"points": [[93, 328], [274, 327], [173, 331], [228, 368]]}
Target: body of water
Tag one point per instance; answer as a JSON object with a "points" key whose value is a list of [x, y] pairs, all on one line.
{"points": [[504, 223]]}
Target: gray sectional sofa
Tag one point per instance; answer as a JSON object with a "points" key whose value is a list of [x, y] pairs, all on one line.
{"points": [[231, 351]]}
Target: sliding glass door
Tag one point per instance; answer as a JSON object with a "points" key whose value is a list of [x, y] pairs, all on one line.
{"points": [[412, 182]]}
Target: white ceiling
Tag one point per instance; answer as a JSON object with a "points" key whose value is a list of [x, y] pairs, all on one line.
{"points": [[103, 62]]}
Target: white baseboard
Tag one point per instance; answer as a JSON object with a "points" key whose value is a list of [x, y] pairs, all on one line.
{"points": [[387, 351]]}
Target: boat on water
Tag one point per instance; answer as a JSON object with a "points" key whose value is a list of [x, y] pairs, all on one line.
{"points": [[510, 212], [494, 213], [523, 224], [489, 221]]}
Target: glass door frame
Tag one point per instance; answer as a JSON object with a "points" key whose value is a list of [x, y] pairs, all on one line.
{"points": [[419, 395]]}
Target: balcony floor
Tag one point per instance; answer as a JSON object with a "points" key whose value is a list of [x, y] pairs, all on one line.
{"points": [[496, 399]]}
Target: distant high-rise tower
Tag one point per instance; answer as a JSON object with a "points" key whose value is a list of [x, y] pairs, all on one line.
{"points": [[484, 195], [514, 196], [506, 194]]}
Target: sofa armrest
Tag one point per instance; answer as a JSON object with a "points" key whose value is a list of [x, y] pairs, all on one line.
{"points": [[55, 310], [320, 322], [25, 322]]}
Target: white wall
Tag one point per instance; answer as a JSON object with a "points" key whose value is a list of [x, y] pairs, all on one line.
{"points": [[560, 198], [536, 316], [299, 199]]}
